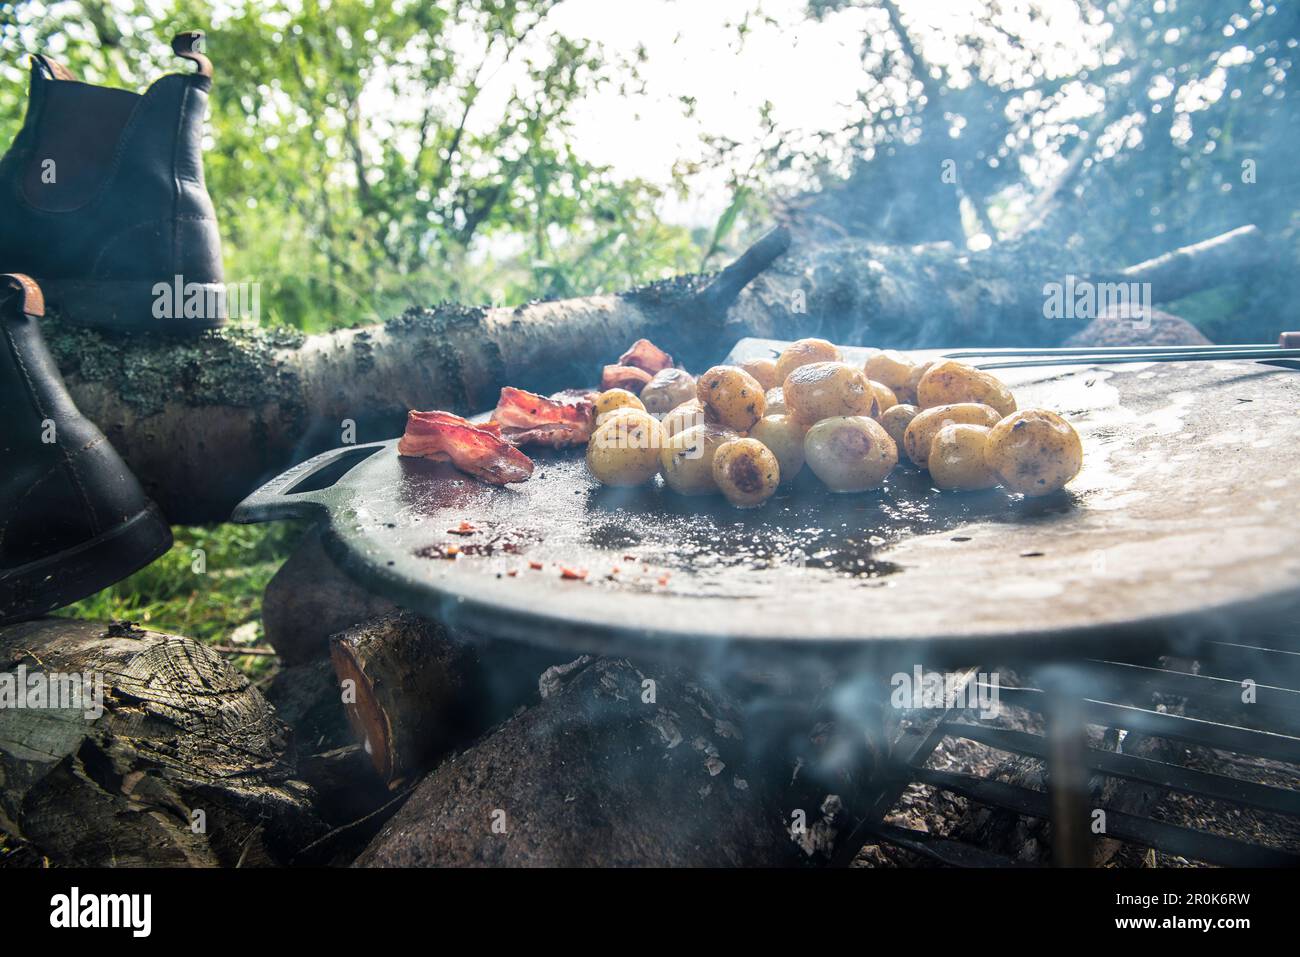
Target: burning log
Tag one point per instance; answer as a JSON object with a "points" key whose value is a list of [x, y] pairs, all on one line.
{"points": [[166, 755], [615, 766], [418, 690], [257, 400], [411, 694]]}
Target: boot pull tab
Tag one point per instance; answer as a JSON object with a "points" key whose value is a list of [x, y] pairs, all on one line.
{"points": [[30, 298], [50, 68], [190, 46]]}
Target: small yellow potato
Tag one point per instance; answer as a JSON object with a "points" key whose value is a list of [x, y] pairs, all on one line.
{"points": [[686, 460], [896, 419], [957, 458], [803, 352], [746, 472], [922, 430], [907, 393], [1034, 452], [764, 370], [885, 398], [776, 401], [732, 397], [949, 381], [667, 390], [821, 390], [783, 435], [612, 399], [685, 416], [890, 368], [624, 449], [850, 453]]}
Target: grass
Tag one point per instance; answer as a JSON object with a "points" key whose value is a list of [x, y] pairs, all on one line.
{"points": [[207, 587]]}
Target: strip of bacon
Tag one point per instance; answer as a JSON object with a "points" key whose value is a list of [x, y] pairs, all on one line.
{"points": [[644, 354], [480, 451], [529, 419]]}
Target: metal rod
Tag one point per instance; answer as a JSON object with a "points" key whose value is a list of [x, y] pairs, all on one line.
{"points": [[1104, 350], [1067, 777], [1090, 359]]}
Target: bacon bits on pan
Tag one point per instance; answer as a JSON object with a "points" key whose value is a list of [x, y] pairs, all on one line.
{"points": [[529, 419], [644, 354], [478, 450]]}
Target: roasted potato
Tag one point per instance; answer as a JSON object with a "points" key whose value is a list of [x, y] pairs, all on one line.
{"points": [[746, 472], [957, 458], [885, 398], [612, 399], [803, 352], [896, 419], [776, 401], [667, 390], [891, 369], [685, 416], [732, 397], [1034, 451], [922, 430], [821, 390], [624, 449], [686, 460], [850, 453], [764, 370], [907, 393], [949, 382], [783, 434]]}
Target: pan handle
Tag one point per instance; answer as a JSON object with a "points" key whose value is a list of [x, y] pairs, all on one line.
{"points": [[306, 490]]}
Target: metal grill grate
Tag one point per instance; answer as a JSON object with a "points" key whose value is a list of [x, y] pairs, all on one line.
{"points": [[1119, 695]]}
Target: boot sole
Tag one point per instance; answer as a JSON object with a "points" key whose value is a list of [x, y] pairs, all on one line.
{"points": [[40, 587], [130, 306]]}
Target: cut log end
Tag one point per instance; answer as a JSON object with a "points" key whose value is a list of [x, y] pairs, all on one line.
{"points": [[365, 713], [412, 692]]}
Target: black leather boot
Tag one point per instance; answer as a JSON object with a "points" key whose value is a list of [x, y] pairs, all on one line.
{"points": [[73, 519], [103, 200]]}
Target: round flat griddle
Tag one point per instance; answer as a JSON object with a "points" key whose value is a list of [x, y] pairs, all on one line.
{"points": [[1182, 522]]}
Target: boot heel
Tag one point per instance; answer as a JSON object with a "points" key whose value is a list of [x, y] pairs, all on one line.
{"points": [[56, 580], [157, 308]]}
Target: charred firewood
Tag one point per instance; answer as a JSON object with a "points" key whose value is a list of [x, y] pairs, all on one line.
{"points": [[616, 766], [413, 690], [410, 692], [307, 699], [166, 755]]}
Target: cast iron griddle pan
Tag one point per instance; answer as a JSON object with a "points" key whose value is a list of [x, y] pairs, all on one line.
{"points": [[1181, 523]]}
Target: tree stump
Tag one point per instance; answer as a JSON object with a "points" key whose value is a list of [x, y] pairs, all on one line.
{"points": [[185, 764]]}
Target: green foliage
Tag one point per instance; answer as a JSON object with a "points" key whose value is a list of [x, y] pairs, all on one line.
{"points": [[208, 585], [354, 162]]}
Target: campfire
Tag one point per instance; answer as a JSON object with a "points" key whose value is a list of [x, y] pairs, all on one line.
{"points": [[877, 523]]}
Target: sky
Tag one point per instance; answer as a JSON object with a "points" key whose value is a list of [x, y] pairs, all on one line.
{"points": [[808, 70]]}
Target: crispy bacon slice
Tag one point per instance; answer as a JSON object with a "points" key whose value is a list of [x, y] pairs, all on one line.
{"points": [[644, 354], [529, 419], [480, 451], [624, 377]]}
